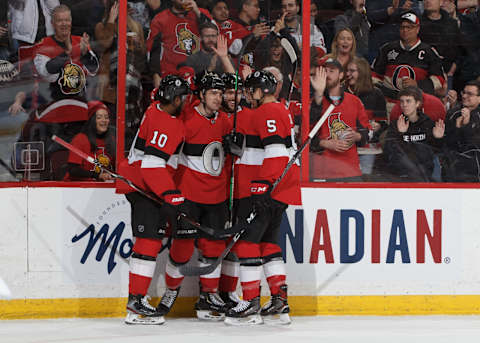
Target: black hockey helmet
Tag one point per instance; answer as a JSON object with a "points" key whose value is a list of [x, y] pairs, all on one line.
{"points": [[209, 80], [262, 79], [170, 87], [230, 79]]}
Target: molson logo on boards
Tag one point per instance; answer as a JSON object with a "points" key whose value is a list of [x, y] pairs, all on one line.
{"points": [[106, 241], [400, 247]]}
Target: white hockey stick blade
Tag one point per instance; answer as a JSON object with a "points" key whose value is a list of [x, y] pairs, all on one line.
{"points": [[321, 121], [4, 290], [287, 46]]}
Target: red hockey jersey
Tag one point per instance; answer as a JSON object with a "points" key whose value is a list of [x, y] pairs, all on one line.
{"points": [[172, 39], [420, 62], [273, 144], [349, 113], [81, 142], [201, 174], [157, 143]]}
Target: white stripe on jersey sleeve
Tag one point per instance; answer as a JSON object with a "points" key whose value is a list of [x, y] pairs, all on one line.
{"points": [[276, 150], [251, 157], [151, 161]]}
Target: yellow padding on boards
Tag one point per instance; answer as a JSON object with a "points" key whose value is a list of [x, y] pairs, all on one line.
{"points": [[300, 305]]}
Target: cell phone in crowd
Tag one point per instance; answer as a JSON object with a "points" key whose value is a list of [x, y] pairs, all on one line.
{"points": [[449, 83]]}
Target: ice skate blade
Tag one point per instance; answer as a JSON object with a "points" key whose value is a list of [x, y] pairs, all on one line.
{"points": [[277, 319], [136, 319], [210, 315], [254, 319]]}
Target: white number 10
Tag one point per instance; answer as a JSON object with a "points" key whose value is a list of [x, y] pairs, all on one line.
{"points": [[162, 140]]}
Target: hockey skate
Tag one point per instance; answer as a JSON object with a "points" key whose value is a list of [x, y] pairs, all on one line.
{"points": [[276, 310], [210, 306], [245, 313], [230, 299], [139, 311], [168, 299]]}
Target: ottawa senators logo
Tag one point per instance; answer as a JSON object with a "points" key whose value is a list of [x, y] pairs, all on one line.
{"points": [[247, 59], [72, 80], [187, 42], [399, 73], [103, 159], [336, 126]]}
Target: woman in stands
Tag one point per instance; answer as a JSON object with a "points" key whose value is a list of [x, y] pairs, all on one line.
{"points": [[358, 81], [344, 48], [97, 139]]}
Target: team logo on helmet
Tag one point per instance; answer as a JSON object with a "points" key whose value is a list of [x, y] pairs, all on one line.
{"points": [[187, 42], [336, 126], [72, 80]]}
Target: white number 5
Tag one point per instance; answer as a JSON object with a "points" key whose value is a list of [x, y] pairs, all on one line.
{"points": [[271, 125]]}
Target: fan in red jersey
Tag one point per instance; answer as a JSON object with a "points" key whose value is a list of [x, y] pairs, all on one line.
{"points": [[174, 35], [202, 178], [156, 144], [269, 145], [335, 156], [65, 61]]}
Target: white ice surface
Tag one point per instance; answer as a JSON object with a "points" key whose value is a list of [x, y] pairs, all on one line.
{"points": [[338, 329]]}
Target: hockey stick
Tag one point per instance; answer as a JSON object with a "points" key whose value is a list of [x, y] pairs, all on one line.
{"points": [[182, 217], [194, 270], [288, 47]]}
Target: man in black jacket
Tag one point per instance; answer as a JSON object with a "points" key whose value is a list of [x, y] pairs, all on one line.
{"points": [[463, 137], [441, 31]]}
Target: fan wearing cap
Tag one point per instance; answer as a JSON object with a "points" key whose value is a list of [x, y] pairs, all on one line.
{"points": [[407, 62], [344, 129], [97, 139]]}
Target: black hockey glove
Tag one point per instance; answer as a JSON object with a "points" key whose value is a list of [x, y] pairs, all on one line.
{"points": [[171, 208], [260, 192], [233, 143]]}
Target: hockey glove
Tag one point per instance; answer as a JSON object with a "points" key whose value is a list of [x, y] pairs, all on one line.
{"points": [[260, 192], [171, 208], [233, 143]]}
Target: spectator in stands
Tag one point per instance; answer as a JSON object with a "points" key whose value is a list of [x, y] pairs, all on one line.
{"points": [[411, 140], [356, 20], [269, 52], [174, 35], [450, 7], [106, 34], [85, 15], [383, 15], [462, 161], [4, 34], [143, 11], [359, 82], [432, 106], [470, 30], [213, 54], [31, 20], [344, 47], [407, 62], [441, 32], [236, 33], [293, 22], [335, 156], [65, 61], [248, 18], [97, 139], [467, 6]]}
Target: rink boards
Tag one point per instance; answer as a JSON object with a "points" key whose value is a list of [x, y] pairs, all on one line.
{"points": [[376, 251]]}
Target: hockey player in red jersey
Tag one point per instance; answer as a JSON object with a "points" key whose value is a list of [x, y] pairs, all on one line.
{"points": [[174, 35], [202, 179], [230, 265], [158, 138], [269, 145]]}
